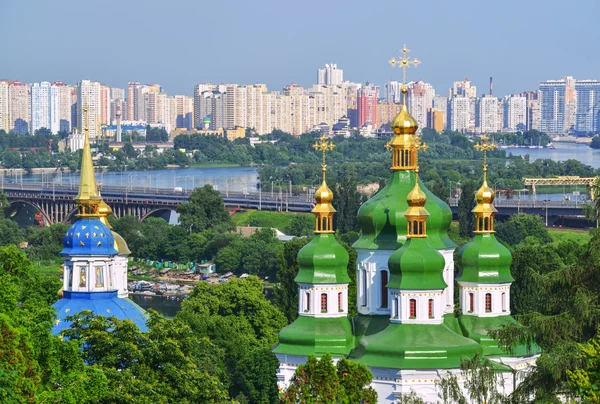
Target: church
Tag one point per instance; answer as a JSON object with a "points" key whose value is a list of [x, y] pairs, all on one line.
{"points": [[406, 330], [95, 259]]}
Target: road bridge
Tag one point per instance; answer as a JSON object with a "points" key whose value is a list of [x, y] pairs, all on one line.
{"points": [[56, 204]]}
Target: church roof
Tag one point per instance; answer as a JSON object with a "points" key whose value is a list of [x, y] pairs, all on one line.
{"points": [[416, 266], [99, 303], [316, 336], [323, 260], [485, 260]]}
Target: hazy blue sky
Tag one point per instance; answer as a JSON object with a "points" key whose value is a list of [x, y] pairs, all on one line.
{"points": [[178, 43]]}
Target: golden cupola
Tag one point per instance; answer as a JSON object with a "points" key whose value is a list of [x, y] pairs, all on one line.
{"points": [[484, 210], [323, 209], [416, 214], [403, 143]]}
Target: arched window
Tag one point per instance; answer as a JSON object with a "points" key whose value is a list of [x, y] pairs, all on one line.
{"points": [[384, 291], [395, 308], [340, 302], [430, 308], [471, 302], [485, 224], [503, 301], [413, 308], [323, 302], [488, 302], [324, 224], [307, 296]]}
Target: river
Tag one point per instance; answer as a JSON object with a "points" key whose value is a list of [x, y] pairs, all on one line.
{"points": [[563, 151], [235, 179]]}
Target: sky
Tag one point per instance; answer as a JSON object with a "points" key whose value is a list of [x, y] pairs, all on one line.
{"points": [[178, 43]]}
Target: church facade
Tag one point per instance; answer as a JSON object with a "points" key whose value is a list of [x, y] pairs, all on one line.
{"points": [[406, 330]]}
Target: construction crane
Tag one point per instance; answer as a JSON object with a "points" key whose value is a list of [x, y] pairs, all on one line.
{"points": [[561, 180]]}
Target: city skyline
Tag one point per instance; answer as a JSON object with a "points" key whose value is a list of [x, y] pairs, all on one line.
{"points": [[518, 59]]}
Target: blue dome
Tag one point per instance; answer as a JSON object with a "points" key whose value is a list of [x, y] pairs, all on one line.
{"points": [[100, 303], [89, 236]]}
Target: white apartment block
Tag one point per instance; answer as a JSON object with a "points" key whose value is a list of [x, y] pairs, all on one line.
{"points": [[181, 110], [4, 109], [88, 96], [18, 101], [515, 113], [463, 89], [61, 111], [40, 106], [461, 117], [330, 75], [488, 115], [420, 99], [393, 91]]}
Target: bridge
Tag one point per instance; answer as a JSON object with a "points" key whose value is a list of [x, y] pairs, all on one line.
{"points": [[56, 204], [552, 212]]}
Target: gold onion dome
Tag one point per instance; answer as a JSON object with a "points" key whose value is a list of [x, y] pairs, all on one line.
{"points": [[404, 123], [485, 195]]}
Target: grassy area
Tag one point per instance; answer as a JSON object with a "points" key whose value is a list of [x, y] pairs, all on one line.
{"points": [[213, 165], [580, 236], [263, 218]]}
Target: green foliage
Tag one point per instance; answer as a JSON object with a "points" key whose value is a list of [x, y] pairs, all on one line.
{"points": [[205, 210], [300, 226], [346, 201], [320, 381], [523, 226], [158, 366], [285, 292], [237, 317], [482, 382], [595, 143], [585, 381], [466, 203], [46, 242]]}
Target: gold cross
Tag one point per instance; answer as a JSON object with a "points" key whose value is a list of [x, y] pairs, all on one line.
{"points": [[485, 146], [324, 145], [404, 62]]}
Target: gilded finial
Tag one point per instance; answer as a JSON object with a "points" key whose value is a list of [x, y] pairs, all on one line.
{"points": [[88, 197], [404, 62], [484, 210], [323, 209]]}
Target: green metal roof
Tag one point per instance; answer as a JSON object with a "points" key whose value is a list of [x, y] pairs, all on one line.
{"points": [[485, 260], [323, 260], [416, 266], [415, 346], [382, 220], [477, 329], [316, 336]]}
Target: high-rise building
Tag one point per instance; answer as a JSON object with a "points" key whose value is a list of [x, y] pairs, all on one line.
{"points": [[570, 104], [515, 113], [463, 89], [105, 110], [435, 120], [40, 106], [60, 108], [460, 117], [330, 75], [136, 101], [4, 109], [200, 114], [533, 109], [18, 101], [88, 96], [156, 108], [488, 115], [420, 99], [440, 104], [181, 109], [588, 105], [367, 104], [393, 91], [552, 106]]}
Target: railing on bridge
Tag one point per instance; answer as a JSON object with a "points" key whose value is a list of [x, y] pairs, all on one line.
{"points": [[523, 203]]}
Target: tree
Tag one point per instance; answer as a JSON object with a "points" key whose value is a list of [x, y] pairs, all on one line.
{"points": [[523, 226], [300, 225], [155, 366], [129, 151], [585, 381], [482, 380], [259, 370], [205, 210], [466, 203], [346, 201], [595, 143], [319, 381], [285, 292]]}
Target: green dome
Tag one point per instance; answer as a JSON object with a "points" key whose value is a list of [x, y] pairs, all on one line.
{"points": [[415, 346], [382, 221], [323, 260], [485, 260], [416, 266]]}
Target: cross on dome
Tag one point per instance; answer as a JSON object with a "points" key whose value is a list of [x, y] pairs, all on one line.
{"points": [[404, 62]]}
